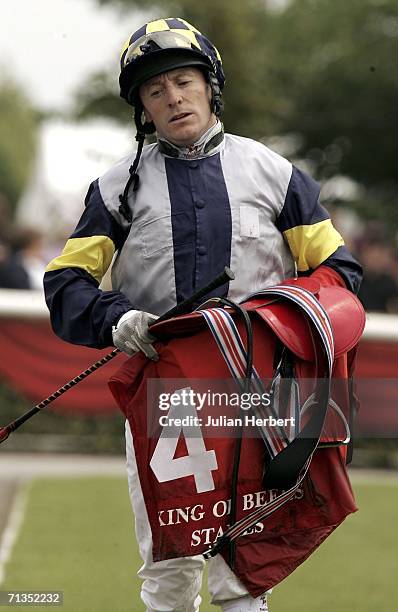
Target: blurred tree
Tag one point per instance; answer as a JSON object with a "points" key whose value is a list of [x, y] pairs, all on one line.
{"points": [[17, 141], [337, 66], [98, 97]]}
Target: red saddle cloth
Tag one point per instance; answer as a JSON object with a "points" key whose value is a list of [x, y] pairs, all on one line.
{"points": [[186, 481]]}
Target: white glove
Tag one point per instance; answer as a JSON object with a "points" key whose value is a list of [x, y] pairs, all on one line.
{"points": [[131, 333]]}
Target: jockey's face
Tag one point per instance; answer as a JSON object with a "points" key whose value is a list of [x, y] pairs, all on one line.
{"points": [[178, 103]]}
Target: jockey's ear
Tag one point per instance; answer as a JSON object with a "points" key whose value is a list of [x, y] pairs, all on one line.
{"points": [[148, 116]]}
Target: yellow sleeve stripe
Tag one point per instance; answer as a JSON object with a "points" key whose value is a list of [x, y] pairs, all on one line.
{"points": [[312, 244], [92, 254]]}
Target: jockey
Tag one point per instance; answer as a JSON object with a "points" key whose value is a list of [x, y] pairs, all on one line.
{"points": [[170, 218]]}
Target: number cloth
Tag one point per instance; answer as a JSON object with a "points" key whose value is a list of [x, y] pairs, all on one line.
{"points": [[186, 477]]}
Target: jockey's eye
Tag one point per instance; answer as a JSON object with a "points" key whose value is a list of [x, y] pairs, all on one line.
{"points": [[155, 93]]}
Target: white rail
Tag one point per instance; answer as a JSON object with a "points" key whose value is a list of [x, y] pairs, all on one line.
{"points": [[21, 304], [31, 305]]}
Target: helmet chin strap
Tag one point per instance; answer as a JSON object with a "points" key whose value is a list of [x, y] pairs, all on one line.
{"points": [[217, 104], [142, 130]]}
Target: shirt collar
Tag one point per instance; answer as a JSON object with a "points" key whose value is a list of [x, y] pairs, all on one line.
{"points": [[207, 145]]}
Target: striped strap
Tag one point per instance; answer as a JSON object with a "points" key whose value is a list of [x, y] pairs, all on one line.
{"points": [[228, 340]]}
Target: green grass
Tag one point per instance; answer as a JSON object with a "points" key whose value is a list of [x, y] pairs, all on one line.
{"points": [[77, 537], [355, 570]]}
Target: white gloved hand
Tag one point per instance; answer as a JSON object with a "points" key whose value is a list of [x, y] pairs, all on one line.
{"points": [[131, 333]]}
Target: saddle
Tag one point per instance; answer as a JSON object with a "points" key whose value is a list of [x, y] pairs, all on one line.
{"points": [[292, 490]]}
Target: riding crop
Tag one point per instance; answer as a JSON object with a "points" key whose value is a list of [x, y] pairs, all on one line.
{"points": [[181, 308]]}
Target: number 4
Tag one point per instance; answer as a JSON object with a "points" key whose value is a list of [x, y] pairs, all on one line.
{"points": [[198, 463]]}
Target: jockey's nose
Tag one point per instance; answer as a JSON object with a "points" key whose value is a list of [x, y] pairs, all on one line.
{"points": [[173, 94]]}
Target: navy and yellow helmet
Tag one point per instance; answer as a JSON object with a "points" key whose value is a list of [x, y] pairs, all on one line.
{"points": [[163, 45]]}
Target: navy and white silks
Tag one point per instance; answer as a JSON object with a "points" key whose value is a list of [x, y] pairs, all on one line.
{"points": [[239, 204]]}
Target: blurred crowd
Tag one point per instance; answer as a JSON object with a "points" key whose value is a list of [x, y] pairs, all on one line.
{"points": [[25, 252], [22, 254], [379, 289], [22, 259], [374, 246]]}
